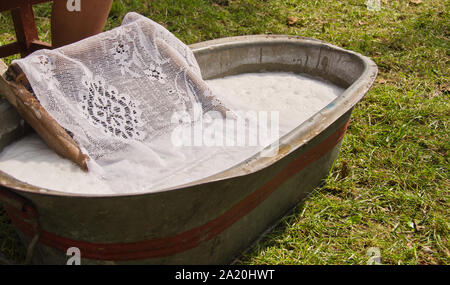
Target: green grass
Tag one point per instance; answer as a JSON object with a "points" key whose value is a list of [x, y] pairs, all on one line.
{"points": [[390, 186]]}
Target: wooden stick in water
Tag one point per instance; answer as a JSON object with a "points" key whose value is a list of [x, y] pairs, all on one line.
{"points": [[15, 87]]}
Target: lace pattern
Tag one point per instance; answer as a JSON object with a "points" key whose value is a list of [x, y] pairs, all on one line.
{"points": [[116, 114], [116, 93], [46, 67]]}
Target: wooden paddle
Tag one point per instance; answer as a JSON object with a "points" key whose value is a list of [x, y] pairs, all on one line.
{"points": [[14, 86]]}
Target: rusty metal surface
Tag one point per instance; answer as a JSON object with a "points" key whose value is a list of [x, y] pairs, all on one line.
{"points": [[171, 213]]}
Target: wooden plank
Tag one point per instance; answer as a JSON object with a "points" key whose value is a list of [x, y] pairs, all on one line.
{"points": [[3, 67], [14, 86], [25, 25], [12, 48], [36, 45]]}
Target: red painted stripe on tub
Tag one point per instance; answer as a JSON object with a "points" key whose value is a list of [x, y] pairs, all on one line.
{"points": [[187, 240]]}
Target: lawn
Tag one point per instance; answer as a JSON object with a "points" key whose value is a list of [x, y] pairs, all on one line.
{"points": [[389, 188]]}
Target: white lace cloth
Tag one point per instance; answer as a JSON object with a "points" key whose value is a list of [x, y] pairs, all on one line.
{"points": [[116, 93]]}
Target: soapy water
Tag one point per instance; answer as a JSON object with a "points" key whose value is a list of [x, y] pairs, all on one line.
{"points": [[294, 98]]}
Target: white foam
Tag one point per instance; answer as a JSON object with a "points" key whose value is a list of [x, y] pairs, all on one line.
{"points": [[296, 97], [30, 160]]}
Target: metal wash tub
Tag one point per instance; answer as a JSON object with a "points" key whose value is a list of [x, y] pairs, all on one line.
{"points": [[209, 221]]}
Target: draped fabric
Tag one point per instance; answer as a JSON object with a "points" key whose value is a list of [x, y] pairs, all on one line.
{"points": [[116, 94]]}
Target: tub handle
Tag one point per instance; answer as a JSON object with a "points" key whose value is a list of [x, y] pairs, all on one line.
{"points": [[29, 213]]}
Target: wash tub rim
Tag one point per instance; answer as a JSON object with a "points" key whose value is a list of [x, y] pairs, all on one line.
{"points": [[304, 132]]}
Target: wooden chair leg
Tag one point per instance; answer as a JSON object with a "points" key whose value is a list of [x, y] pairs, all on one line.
{"points": [[25, 26]]}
